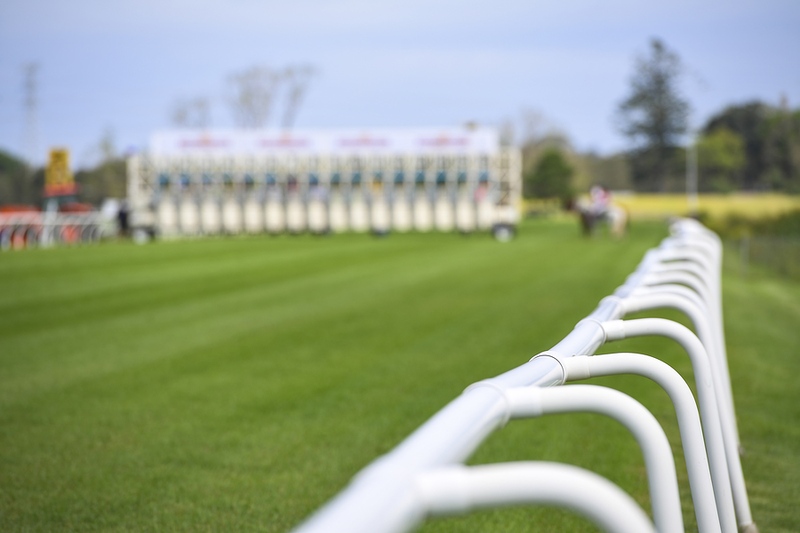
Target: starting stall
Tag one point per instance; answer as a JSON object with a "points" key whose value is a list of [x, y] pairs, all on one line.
{"points": [[230, 182]]}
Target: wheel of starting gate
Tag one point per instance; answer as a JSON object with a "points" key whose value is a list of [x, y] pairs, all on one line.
{"points": [[503, 232], [141, 236]]}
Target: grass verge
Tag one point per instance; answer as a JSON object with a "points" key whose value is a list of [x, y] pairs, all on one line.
{"points": [[237, 384]]}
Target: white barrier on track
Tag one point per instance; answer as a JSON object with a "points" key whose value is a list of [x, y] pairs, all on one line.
{"points": [[42, 229], [423, 475]]}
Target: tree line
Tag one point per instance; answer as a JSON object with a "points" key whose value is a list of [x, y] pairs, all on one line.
{"points": [[753, 146], [22, 185]]}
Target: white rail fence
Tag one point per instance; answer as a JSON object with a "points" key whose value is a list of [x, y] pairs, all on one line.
{"points": [[42, 229], [425, 475]]}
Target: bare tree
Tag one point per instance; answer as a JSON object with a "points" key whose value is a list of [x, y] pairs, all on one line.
{"points": [[107, 147], [191, 113], [539, 134], [297, 79], [252, 95], [534, 126]]}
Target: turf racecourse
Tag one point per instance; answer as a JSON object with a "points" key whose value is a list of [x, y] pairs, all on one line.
{"points": [[237, 384]]}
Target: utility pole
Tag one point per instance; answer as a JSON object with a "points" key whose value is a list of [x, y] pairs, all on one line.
{"points": [[29, 132], [30, 87], [691, 174]]}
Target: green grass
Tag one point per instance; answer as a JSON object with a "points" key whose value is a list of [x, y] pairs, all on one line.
{"points": [[238, 384]]}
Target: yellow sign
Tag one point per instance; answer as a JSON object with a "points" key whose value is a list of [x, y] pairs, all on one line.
{"points": [[58, 180]]}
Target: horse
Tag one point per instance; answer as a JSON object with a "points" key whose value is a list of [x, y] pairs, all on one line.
{"points": [[615, 216]]}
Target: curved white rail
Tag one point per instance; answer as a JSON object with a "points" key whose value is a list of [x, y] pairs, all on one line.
{"points": [[458, 489], [705, 501], [682, 273], [726, 468], [525, 402]]}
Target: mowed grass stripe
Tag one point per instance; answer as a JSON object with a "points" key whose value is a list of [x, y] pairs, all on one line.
{"points": [[175, 390], [763, 335], [199, 304], [237, 384], [206, 301]]}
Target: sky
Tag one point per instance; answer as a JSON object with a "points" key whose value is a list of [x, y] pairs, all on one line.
{"points": [[116, 69]]}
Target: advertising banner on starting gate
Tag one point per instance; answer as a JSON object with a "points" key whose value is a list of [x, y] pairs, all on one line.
{"points": [[345, 142]]}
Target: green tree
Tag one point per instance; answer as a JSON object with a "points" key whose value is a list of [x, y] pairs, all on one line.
{"points": [[550, 178], [747, 121], [654, 116], [611, 171], [782, 150], [106, 180], [19, 184], [721, 158], [771, 137]]}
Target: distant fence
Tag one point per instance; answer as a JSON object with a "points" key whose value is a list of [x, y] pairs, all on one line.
{"points": [[34, 229], [425, 474], [779, 254]]}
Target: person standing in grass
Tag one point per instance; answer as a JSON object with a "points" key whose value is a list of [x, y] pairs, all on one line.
{"points": [[601, 200], [122, 219]]}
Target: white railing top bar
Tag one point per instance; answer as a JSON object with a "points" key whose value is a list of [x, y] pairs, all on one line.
{"points": [[457, 489], [383, 497]]}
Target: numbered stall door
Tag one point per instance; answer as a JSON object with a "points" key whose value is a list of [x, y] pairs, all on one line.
{"points": [[295, 216], [317, 216], [423, 215], [359, 213], [401, 214], [274, 216], [232, 216], [379, 215], [465, 214], [337, 214], [210, 216], [167, 216], [443, 212], [486, 215], [253, 216], [189, 217]]}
